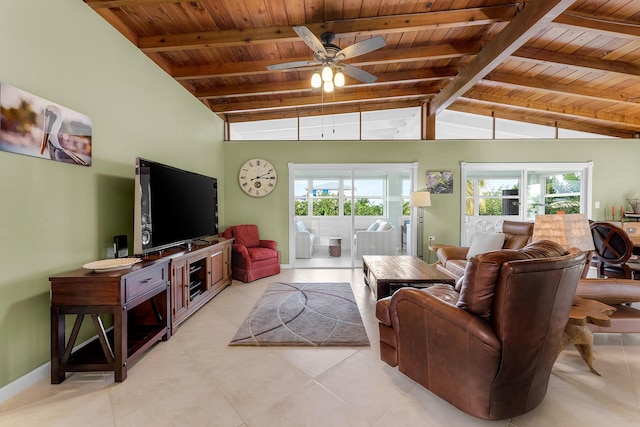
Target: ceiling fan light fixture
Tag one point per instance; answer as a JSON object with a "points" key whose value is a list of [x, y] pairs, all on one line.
{"points": [[328, 86], [327, 73], [316, 80], [338, 79]]}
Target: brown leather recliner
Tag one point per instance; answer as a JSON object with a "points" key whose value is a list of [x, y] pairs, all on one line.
{"points": [[453, 259], [488, 347]]}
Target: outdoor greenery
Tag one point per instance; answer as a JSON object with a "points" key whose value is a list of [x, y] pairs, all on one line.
{"points": [[328, 206], [566, 187]]}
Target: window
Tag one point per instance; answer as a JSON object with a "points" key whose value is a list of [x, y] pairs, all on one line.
{"points": [[496, 192], [493, 197], [368, 198]]}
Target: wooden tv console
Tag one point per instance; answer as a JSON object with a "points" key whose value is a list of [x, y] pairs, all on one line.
{"points": [[197, 274], [147, 301]]}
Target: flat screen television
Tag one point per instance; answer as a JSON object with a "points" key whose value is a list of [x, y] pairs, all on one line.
{"points": [[172, 207]]}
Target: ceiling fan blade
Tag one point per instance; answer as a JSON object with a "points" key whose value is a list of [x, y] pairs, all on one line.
{"points": [[362, 47], [310, 39], [294, 64], [358, 73]]}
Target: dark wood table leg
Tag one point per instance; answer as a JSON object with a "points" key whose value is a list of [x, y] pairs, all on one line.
{"points": [[57, 345], [120, 342]]}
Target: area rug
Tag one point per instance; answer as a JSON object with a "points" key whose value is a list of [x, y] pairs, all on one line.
{"points": [[304, 314]]}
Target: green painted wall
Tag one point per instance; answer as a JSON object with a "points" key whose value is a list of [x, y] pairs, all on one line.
{"points": [[54, 216], [615, 174]]}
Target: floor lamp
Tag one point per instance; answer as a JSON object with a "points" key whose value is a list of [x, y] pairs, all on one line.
{"points": [[420, 199]]}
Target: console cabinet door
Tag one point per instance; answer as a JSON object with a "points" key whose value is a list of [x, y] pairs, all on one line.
{"points": [[216, 270], [179, 289]]}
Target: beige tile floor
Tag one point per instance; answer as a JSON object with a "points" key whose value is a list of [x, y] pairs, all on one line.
{"points": [[195, 379]]}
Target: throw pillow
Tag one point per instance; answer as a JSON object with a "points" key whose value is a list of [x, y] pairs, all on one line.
{"points": [[300, 226], [384, 226], [485, 242], [374, 226], [247, 235]]}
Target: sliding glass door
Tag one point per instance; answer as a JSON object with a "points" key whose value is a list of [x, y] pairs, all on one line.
{"points": [[340, 212]]}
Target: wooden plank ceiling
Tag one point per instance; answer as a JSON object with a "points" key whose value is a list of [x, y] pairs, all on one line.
{"points": [[570, 63]]}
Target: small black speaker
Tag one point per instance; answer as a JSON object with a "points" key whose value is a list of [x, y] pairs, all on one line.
{"points": [[120, 248]]}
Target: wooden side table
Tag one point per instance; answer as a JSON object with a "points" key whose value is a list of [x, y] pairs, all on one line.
{"points": [[335, 246], [584, 311], [138, 300]]}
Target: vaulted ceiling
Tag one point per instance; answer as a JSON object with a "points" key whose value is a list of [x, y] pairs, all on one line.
{"points": [[574, 64]]}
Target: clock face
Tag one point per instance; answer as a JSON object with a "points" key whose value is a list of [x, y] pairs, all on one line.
{"points": [[257, 177]]}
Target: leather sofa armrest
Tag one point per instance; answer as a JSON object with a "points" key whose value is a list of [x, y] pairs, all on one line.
{"points": [[609, 291], [271, 244], [382, 311], [451, 252]]}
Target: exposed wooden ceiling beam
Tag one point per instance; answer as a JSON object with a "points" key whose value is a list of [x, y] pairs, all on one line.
{"points": [[546, 119], [561, 88], [532, 19], [578, 62], [328, 99], [586, 113], [412, 54], [606, 26], [403, 77], [350, 27]]}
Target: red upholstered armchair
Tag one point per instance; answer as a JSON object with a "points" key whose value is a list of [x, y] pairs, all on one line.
{"points": [[252, 258]]}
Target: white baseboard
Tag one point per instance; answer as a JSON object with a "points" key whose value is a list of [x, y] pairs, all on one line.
{"points": [[44, 371], [24, 382]]}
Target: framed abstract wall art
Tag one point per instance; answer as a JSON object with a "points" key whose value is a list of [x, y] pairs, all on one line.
{"points": [[440, 182], [37, 127]]}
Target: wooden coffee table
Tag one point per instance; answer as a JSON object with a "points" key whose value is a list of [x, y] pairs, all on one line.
{"points": [[380, 272], [584, 311]]}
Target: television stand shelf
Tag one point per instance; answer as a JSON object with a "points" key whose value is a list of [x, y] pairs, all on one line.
{"points": [[198, 272], [136, 297]]}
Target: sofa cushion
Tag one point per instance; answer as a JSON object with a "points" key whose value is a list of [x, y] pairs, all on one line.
{"points": [[300, 226], [260, 253], [485, 242], [479, 281], [247, 235]]}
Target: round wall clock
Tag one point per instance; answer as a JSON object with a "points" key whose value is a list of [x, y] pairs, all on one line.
{"points": [[257, 177]]}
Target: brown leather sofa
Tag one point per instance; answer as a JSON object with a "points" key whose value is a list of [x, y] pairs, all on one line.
{"points": [[453, 259], [487, 347], [622, 294]]}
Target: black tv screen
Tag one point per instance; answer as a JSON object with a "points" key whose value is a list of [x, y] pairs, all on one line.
{"points": [[173, 206]]}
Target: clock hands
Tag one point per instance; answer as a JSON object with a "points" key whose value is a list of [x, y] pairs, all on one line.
{"points": [[261, 176]]}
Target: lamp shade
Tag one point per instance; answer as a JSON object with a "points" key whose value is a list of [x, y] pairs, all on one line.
{"points": [[420, 199], [316, 80], [570, 231], [327, 73]]}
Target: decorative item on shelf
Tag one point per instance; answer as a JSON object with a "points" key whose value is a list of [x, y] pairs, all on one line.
{"points": [[635, 208], [420, 199], [570, 231]]}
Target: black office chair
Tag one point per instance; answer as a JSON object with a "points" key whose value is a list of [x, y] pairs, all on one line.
{"points": [[613, 248]]}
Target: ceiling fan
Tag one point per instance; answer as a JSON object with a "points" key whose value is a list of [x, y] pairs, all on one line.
{"points": [[326, 53]]}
